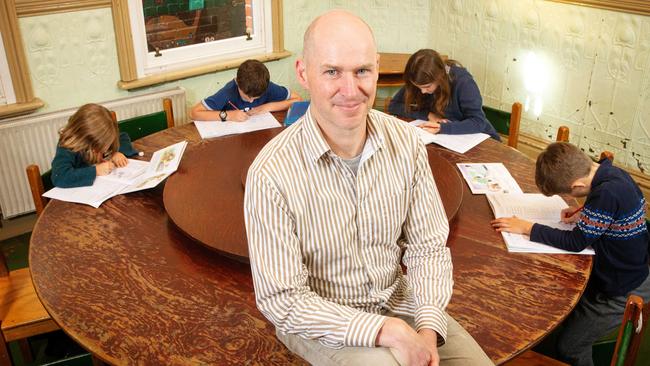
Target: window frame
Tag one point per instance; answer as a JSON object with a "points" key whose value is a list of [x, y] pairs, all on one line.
{"points": [[128, 56], [25, 101], [629, 6]]}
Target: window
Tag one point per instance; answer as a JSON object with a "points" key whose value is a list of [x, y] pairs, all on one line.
{"points": [[16, 95], [173, 39]]}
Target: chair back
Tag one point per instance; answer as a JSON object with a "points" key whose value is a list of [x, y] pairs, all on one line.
{"points": [[562, 134], [630, 333], [506, 123], [141, 126], [39, 184]]}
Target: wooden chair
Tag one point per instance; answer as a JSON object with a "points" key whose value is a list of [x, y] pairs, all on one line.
{"points": [[39, 184], [506, 123], [562, 134], [627, 345], [141, 126], [21, 313]]}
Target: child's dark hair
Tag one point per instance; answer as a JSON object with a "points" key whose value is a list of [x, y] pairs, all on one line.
{"points": [[90, 131], [426, 66], [253, 78], [558, 166]]}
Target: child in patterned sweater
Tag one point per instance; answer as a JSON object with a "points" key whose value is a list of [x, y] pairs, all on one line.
{"points": [[612, 222]]}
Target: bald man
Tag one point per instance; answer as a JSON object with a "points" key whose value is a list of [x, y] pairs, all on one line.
{"points": [[332, 203]]}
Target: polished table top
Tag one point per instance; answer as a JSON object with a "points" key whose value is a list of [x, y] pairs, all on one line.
{"points": [[205, 197], [131, 287]]}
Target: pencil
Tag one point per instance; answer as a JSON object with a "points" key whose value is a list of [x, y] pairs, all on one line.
{"points": [[234, 106], [574, 212]]}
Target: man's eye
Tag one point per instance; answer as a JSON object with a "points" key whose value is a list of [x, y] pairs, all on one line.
{"points": [[363, 71], [331, 72]]}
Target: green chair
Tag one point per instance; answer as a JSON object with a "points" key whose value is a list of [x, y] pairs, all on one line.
{"points": [[506, 123], [141, 126], [623, 353]]}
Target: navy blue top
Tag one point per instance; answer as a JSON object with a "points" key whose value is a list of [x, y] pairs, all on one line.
{"points": [[219, 101], [69, 169], [613, 223], [464, 111]]}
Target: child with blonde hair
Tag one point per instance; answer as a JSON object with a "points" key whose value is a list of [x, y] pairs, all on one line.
{"points": [[90, 145]]}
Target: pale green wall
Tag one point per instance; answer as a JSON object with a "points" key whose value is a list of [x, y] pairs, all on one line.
{"points": [[77, 63], [598, 76]]}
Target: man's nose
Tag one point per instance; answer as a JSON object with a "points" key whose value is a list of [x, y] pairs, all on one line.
{"points": [[349, 85]]}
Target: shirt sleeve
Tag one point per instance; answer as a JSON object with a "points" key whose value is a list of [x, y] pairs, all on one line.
{"points": [[427, 258], [126, 147], [470, 104], [280, 277], [398, 108], [67, 174], [595, 219], [219, 100], [276, 93]]}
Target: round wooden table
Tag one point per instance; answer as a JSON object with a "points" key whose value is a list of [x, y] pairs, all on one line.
{"points": [[205, 197], [129, 286]]}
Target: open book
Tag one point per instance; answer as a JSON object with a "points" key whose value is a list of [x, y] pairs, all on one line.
{"points": [[262, 121], [135, 176], [533, 207], [488, 178], [457, 143]]}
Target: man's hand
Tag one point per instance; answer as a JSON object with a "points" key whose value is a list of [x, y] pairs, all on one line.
{"points": [[237, 115], [408, 347], [119, 159], [512, 225], [431, 340], [104, 168]]}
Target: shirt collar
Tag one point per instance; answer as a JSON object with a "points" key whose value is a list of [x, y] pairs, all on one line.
{"points": [[316, 146]]}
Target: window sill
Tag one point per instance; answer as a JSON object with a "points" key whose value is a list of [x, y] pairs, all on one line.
{"points": [[199, 70], [11, 110]]}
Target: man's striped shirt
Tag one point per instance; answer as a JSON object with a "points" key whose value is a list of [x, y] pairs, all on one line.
{"points": [[325, 245]]}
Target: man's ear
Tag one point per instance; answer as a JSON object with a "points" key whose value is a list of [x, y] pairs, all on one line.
{"points": [[301, 73]]}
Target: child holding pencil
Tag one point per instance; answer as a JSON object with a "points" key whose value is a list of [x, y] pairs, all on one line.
{"points": [[250, 93], [612, 221], [90, 145]]}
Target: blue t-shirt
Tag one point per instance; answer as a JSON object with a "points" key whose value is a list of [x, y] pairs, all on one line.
{"points": [[219, 101]]}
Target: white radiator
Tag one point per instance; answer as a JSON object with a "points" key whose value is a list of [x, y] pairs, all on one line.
{"points": [[32, 139]]}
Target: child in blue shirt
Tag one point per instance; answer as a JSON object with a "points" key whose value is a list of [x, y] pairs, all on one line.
{"points": [[442, 93], [250, 93], [612, 222], [90, 145]]}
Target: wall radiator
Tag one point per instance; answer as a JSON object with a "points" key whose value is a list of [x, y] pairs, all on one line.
{"points": [[32, 139]]}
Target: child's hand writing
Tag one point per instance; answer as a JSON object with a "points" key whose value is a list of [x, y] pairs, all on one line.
{"points": [[570, 214], [119, 160], [256, 110], [512, 225], [237, 115], [104, 168], [431, 127]]}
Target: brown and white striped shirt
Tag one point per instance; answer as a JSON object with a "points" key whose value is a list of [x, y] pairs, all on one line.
{"points": [[325, 245]]}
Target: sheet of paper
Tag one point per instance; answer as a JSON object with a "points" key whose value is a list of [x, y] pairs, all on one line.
{"points": [[532, 207], [488, 178], [136, 176], [208, 129], [457, 143]]}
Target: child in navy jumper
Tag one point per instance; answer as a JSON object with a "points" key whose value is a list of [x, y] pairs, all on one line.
{"points": [[90, 145], [250, 93], [612, 222], [442, 93]]}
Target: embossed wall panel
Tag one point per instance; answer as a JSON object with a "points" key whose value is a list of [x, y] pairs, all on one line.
{"points": [[597, 68]]}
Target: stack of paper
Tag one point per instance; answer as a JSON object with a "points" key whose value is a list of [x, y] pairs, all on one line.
{"points": [[488, 178], [532, 207], [458, 143], [135, 176], [208, 129]]}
